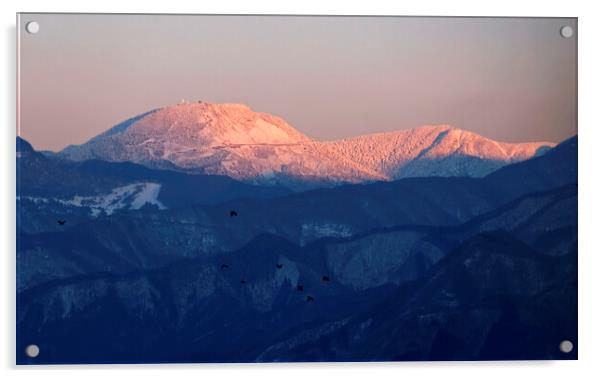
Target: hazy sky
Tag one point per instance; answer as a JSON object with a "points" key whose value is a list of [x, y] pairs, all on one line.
{"points": [[330, 77]]}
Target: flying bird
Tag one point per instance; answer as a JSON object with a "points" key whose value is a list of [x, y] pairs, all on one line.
{"points": [[300, 287], [279, 266], [61, 222], [309, 298], [325, 278], [233, 213], [224, 266]]}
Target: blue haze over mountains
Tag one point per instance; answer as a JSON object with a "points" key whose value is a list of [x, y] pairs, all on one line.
{"points": [[418, 268]]}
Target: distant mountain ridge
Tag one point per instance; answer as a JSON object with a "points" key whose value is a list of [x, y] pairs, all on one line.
{"points": [[384, 285], [232, 140], [49, 188], [428, 268], [304, 218], [434, 151]]}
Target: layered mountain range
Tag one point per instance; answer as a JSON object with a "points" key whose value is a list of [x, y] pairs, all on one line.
{"points": [[181, 241], [232, 140]]}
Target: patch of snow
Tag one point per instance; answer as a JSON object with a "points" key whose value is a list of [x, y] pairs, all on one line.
{"points": [[132, 196], [313, 231], [148, 194]]}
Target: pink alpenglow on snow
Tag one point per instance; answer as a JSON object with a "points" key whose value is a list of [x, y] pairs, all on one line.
{"points": [[235, 141]]}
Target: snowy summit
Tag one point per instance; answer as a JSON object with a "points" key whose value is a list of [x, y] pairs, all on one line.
{"points": [[235, 141]]}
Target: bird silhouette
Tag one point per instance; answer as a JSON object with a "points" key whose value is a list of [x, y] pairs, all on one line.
{"points": [[300, 287], [233, 213], [309, 298], [326, 278], [61, 222], [224, 266], [243, 281], [279, 266]]}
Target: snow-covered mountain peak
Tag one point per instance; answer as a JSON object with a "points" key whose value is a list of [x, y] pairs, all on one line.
{"points": [[211, 125], [234, 140]]}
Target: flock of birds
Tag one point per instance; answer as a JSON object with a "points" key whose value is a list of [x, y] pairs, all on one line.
{"points": [[233, 213], [308, 298]]}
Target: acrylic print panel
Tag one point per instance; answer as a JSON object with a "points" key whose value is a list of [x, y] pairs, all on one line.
{"points": [[205, 188]]}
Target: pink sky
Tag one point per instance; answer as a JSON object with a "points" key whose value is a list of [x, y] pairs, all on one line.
{"points": [[510, 79]]}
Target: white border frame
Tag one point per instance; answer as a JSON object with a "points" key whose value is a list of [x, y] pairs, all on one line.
{"points": [[590, 135]]}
